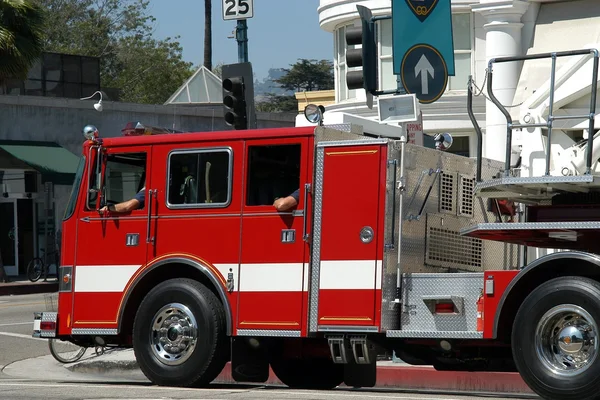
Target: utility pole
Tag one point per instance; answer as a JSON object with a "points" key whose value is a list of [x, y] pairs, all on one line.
{"points": [[241, 35]]}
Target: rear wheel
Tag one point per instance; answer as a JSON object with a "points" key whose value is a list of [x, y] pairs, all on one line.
{"points": [[34, 269], [555, 339], [179, 334], [65, 351]]}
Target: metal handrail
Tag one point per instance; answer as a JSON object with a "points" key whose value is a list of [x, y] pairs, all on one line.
{"points": [[475, 125], [551, 117]]}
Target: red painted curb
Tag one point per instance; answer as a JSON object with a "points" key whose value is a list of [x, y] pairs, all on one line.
{"points": [[402, 377]]}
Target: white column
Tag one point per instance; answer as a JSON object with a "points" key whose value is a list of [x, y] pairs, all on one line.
{"points": [[502, 39]]}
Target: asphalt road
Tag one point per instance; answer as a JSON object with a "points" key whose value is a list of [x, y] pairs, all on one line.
{"points": [[27, 371], [16, 324]]}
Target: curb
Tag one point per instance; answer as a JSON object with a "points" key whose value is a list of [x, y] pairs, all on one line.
{"points": [[7, 289], [387, 377]]}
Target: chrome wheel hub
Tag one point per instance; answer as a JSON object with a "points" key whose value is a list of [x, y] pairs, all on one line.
{"points": [[174, 334], [566, 340]]}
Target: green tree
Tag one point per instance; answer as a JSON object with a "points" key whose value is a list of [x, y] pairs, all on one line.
{"points": [[143, 69], [304, 75], [21, 24], [278, 103], [308, 75]]}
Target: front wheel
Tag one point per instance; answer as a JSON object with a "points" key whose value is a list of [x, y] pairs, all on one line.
{"points": [[555, 339], [34, 269], [64, 351], [179, 336]]}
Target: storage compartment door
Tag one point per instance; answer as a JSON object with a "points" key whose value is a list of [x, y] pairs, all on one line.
{"points": [[348, 241]]}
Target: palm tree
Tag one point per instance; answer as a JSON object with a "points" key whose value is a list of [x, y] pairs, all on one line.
{"points": [[208, 34], [21, 32]]}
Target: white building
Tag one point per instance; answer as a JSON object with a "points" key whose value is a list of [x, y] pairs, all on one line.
{"points": [[483, 29]]}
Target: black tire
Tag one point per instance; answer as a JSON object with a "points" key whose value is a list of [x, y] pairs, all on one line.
{"points": [[198, 364], [64, 351], [312, 373], [35, 269], [553, 308]]}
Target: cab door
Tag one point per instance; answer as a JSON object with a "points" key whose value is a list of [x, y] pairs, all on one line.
{"points": [[273, 262], [110, 247]]}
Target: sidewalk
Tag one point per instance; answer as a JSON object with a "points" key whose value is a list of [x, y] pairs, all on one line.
{"points": [[21, 285], [121, 363]]}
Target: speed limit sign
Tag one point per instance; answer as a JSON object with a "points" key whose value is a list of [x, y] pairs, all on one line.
{"points": [[238, 9]]}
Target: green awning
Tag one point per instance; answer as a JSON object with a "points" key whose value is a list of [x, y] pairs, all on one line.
{"points": [[56, 164]]}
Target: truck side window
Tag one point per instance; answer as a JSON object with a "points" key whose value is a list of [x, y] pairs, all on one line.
{"points": [[200, 178], [273, 171], [125, 175]]}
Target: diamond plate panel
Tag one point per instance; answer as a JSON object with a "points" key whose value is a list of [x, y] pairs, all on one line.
{"points": [[434, 335], [260, 332], [329, 133], [417, 317], [424, 167], [390, 311], [86, 331], [313, 313], [48, 316]]}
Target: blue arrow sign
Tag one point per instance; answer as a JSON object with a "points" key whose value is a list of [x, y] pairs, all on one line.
{"points": [[422, 22], [424, 73]]}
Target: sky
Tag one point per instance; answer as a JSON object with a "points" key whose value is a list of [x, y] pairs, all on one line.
{"points": [[281, 32]]}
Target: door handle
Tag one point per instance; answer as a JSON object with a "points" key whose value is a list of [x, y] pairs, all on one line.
{"points": [[304, 228], [149, 238]]}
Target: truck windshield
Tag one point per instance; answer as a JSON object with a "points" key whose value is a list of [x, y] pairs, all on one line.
{"points": [[75, 190]]}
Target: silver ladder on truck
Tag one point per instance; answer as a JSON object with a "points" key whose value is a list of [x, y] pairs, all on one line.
{"points": [[545, 223]]}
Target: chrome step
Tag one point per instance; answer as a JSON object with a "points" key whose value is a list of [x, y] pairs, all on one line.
{"points": [[536, 189], [360, 350], [338, 346], [563, 235]]}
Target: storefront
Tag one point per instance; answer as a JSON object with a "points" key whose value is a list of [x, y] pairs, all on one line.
{"points": [[35, 180]]}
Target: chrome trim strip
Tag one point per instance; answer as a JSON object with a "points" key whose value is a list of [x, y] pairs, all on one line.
{"points": [[87, 331], [435, 335], [226, 204], [260, 332], [313, 313], [344, 328], [207, 272], [352, 142]]}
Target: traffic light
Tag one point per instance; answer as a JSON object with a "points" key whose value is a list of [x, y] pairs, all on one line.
{"points": [[365, 57], [238, 96], [234, 102]]}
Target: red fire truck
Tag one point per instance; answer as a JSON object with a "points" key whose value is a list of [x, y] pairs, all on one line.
{"points": [[391, 247]]}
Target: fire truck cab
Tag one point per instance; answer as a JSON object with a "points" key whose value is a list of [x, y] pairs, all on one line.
{"points": [[389, 247]]}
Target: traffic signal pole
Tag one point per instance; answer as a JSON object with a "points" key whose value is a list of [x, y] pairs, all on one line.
{"points": [[241, 35]]}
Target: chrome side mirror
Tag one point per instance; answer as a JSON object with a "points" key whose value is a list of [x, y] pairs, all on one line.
{"points": [[443, 141]]}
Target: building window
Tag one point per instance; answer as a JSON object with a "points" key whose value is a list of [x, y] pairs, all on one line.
{"points": [[462, 31], [463, 47], [342, 93], [200, 178]]}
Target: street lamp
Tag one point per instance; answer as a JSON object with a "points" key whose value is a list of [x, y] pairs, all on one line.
{"points": [[98, 105]]}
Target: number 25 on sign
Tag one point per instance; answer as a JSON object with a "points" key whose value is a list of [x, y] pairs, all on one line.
{"points": [[238, 9]]}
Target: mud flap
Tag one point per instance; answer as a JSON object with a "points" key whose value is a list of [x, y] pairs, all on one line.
{"points": [[249, 362]]}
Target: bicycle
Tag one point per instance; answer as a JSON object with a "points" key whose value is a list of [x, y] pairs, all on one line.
{"points": [[65, 351], [37, 266]]}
